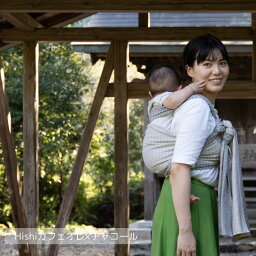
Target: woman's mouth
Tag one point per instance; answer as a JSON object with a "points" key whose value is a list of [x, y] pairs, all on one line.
{"points": [[216, 81]]}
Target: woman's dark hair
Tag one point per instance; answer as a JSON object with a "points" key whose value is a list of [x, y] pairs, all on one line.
{"points": [[201, 47]]}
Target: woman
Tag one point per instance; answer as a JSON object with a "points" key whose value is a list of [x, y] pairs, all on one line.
{"points": [[181, 228]]}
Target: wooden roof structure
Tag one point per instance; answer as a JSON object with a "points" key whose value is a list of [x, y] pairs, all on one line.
{"points": [[33, 21], [168, 19], [145, 54]]}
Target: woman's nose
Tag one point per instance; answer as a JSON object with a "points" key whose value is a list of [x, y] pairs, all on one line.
{"points": [[216, 69]]}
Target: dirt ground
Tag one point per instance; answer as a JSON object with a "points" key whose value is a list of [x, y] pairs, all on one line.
{"points": [[86, 251], [66, 251], [92, 251]]}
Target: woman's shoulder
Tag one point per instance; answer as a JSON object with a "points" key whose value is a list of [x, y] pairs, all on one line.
{"points": [[195, 110]]}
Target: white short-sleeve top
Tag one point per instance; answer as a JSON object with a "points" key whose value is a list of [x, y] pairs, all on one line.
{"points": [[192, 123]]}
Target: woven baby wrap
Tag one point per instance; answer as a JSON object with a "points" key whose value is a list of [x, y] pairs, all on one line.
{"points": [[158, 143], [220, 150]]}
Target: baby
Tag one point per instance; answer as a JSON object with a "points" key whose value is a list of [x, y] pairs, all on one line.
{"points": [[165, 79], [166, 90]]}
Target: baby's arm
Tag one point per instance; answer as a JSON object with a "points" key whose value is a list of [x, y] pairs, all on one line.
{"points": [[178, 97]]}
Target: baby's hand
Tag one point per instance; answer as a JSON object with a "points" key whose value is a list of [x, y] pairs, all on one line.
{"points": [[194, 199], [197, 86]]}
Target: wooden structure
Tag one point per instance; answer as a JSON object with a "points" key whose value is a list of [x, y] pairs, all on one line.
{"points": [[146, 54], [34, 21]]}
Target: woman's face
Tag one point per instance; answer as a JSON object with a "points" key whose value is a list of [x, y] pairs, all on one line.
{"points": [[214, 71]]}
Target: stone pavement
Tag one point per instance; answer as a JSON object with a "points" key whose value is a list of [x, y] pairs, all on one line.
{"points": [[245, 247]]}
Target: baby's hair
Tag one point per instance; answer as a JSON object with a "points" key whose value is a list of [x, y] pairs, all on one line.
{"points": [[162, 79]]}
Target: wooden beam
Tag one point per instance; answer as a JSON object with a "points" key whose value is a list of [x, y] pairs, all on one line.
{"points": [[129, 34], [4, 46], [128, 5], [30, 136], [121, 210], [144, 20], [57, 21], [232, 90], [22, 21], [10, 160], [69, 197], [62, 19], [254, 46]]}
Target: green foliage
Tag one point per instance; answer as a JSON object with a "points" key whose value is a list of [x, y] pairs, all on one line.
{"points": [[62, 113], [13, 65], [67, 84]]}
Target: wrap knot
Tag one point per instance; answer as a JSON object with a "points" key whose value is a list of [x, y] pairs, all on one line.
{"points": [[229, 131]]}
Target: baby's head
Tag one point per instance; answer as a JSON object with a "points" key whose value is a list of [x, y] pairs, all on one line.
{"points": [[163, 79]]}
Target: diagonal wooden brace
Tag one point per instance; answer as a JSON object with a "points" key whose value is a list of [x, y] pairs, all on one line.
{"points": [[10, 160], [69, 197]]}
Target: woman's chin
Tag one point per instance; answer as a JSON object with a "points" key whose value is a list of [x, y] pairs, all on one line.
{"points": [[215, 88]]}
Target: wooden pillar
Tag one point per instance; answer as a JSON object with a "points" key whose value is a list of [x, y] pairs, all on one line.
{"points": [[254, 46], [121, 210], [69, 197], [150, 179], [30, 136], [10, 160], [144, 20]]}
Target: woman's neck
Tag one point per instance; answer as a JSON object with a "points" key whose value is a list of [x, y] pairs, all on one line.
{"points": [[210, 96]]}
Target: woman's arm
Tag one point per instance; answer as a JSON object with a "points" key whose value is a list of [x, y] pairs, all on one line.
{"points": [[180, 180]]}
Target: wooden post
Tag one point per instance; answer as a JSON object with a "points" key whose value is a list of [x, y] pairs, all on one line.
{"points": [[10, 160], [30, 136], [69, 197], [150, 179], [144, 20], [254, 46], [121, 210], [149, 191]]}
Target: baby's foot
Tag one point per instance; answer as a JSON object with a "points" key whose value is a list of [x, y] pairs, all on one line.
{"points": [[194, 198]]}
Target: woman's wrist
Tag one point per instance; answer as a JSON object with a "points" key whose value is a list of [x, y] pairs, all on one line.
{"points": [[186, 228]]}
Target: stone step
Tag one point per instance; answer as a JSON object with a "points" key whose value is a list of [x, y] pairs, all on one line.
{"points": [[250, 199], [249, 178], [249, 188]]}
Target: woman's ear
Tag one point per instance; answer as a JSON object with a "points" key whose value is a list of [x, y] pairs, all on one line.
{"points": [[189, 70]]}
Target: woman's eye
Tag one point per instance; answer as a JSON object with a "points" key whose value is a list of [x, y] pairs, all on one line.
{"points": [[207, 64], [223, 63]]}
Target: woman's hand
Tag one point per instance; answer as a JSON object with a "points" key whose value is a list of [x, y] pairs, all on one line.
{"points": [[186, 244]]}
